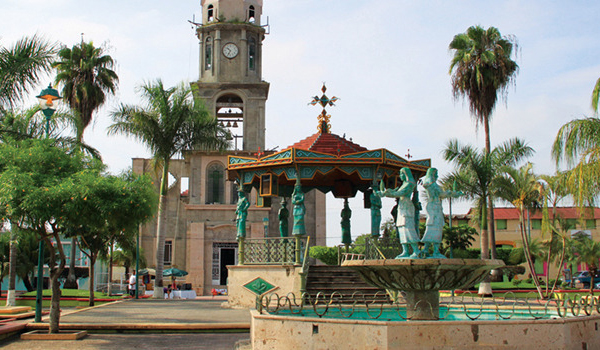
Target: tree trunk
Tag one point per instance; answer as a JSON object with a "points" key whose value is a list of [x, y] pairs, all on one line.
{"points": [[485, 287], [527, 252], [91, 280], [161, 232], [110, 269], [492, 228], [27, 283], [71, 282], [12, 274], [55, 303]]}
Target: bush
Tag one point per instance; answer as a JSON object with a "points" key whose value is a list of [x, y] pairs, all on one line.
{"points": [[516, 282], [327, 255]]}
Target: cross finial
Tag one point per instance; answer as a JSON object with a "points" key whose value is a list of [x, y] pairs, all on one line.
{"points": [[408, 156], [259, 153], [324, 101]]}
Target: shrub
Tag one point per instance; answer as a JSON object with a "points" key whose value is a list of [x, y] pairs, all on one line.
{"points": [[327, 255]]}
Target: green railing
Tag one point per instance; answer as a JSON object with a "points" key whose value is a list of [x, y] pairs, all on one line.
{"points": [[272, 251]]}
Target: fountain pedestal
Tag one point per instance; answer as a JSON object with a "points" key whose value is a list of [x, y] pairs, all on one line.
{"points": [[422, 279]]}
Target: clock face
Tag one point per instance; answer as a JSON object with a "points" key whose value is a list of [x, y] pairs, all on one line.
{"points": [[230, 50]]}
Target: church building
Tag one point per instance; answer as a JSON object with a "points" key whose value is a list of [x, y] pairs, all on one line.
{"points": [[201, 234]]}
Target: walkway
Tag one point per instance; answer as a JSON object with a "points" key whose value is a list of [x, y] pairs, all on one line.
{"points": [[187, 324]]}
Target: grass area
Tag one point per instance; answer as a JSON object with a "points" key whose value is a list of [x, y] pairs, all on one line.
{"points": [[72, 293]]}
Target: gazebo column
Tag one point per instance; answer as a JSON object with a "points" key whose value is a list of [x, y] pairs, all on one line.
{"points": [[346, 234], [375, 199], [299, 211]]}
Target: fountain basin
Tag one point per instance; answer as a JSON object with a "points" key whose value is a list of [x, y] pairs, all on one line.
{"points": [[422, 279]]}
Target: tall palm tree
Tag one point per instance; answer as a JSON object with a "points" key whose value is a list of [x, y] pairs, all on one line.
{"points": [[482, 70], [521, 188], [169, 122], [596, 96], [474, 174], [21, 67], [87, 77]]}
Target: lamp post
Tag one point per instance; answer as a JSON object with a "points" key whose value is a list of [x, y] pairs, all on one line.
{"points": [[46, 99]]}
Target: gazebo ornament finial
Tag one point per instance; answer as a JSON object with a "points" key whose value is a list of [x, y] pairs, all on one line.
{"points": [[323, 118]]}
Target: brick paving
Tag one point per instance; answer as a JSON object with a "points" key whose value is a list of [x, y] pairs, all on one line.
{"points": [[151, 324]]}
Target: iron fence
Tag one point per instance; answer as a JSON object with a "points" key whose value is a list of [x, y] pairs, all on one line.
{"points": [[277, 250]]}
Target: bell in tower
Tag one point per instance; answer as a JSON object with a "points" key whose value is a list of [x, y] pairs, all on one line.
{"points": [[230, 81]]}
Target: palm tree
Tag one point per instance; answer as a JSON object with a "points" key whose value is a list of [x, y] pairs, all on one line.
{"points": [[482, 70], [87, 77], [474, 174], [21, 67], [588, 252], [170, 122], [596, 96], [521, 188]]}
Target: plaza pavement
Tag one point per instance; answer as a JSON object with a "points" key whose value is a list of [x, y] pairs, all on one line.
{"points": [[147, 324]]}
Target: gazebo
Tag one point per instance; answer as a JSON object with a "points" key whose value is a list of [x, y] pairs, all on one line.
{"points": [[326, 162]]}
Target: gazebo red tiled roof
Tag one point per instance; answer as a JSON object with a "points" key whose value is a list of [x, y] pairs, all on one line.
{"points": [[328, 143]]}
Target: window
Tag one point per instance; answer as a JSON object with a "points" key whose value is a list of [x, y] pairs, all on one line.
{"points": [[501, 224], [168, 252], [536, 224], [462, 222], [210, 13], [208, 54], [234, 193], [590, 223], [251, 14], [215, 183], [252, 54]]}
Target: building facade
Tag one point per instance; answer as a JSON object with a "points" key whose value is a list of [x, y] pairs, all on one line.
{"points": [[201, 230]]}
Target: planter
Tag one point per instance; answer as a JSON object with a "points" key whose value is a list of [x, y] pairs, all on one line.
{"points": [[62, 335]]}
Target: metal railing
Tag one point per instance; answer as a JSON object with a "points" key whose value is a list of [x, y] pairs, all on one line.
{"points": [[276, 250], [374, 248], [470, 306]]}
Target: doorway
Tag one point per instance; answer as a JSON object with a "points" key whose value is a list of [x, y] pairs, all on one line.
{"points": [[227, 258]]}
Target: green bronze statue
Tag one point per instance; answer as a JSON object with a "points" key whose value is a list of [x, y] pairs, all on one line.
{"points": [[284, 213], [375, 199], [241, 212], [435, 216], [346, 215], [405, 221], [299, 210]]}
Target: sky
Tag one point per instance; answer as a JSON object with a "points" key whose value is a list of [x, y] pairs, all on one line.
{"points": [[387, 61]]}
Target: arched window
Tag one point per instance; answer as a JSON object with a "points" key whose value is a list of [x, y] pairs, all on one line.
{"points": [[251, 14], [210, 13], [208, 54], [215, 184], [252, 54]]}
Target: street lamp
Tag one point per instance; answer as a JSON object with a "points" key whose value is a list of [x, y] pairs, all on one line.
{"points": [[47, 99]]}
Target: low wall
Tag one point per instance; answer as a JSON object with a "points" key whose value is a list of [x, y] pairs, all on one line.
{"points": [[284, 279], [285, 332]]}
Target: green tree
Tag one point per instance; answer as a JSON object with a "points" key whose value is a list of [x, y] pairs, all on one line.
{"points": [[86, 75], [482, 70], [21, 67], [475, 171], [457, 238], [588, 252], [37, 185], [596, 96], [109, 207], [169, 122], [521, 188]]}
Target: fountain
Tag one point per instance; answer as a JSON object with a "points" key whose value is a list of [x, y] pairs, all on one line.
{"points": [[419, 275]]}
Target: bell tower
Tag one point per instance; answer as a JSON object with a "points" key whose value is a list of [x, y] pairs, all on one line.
{"points": [[230, 81]]}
